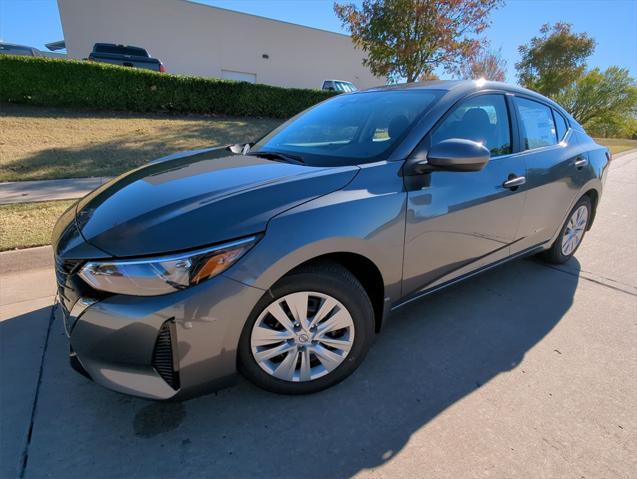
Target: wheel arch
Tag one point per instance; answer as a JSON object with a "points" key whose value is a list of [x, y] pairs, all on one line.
{"points": [[365, 271], [593, 195]]}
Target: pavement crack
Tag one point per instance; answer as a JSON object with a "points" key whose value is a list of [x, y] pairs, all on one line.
{"points": [[28, 300], [25, 450], [593, 280]]}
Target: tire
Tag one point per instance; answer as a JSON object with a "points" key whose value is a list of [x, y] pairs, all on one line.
{"points": [[311, 359], [558, 253]]}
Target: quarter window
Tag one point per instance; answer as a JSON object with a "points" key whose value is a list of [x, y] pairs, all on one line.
{"points": [[536, 124], [484, 119], [561, 125]]}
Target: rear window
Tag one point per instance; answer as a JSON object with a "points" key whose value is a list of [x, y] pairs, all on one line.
{"points": [[346, 86], [536, 122], [560, 125], [120, 50]]}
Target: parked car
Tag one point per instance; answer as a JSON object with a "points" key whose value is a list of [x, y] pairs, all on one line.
{"points": [[125, 55], [21, 50], [339, 85], [284, 258]]}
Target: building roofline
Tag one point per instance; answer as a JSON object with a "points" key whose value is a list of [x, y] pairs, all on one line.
{"points": [[260, 17]]}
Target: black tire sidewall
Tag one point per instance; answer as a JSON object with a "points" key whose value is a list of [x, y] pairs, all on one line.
{"points": [[350, 294]]}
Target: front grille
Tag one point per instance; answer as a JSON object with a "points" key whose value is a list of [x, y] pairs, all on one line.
{"points": [[67, 290], [70, 288], [164, 357]]}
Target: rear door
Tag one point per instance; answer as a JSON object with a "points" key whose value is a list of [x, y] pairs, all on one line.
{"points": [[556, 170], [458, 222]]}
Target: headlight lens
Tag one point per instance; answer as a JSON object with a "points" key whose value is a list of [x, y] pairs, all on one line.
{"points": [[165, 274]]}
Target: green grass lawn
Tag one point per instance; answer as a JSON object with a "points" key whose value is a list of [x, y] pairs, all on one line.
{"points": [[24, 225], [39, 143], [617, 145], [46, 143]]}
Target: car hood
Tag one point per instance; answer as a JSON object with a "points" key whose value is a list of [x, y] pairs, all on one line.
{"points": [[196, 199]]}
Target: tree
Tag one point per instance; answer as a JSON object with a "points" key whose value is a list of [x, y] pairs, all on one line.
{"points": [[604, 101], [487, 64], [428, 77], [555, 59], [616, 127], [406, 39]]}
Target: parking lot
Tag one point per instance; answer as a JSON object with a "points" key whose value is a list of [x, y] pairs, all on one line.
{"points": [[525, 371]]}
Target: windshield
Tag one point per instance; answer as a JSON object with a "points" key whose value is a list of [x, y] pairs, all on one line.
{"points": [[350, 129]]}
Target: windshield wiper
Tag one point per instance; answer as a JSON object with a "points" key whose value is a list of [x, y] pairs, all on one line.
{"points": [[278, 156]]}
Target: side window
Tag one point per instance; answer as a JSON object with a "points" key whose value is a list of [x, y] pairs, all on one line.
{"points": [[560, 125], [536, 124], [484, 119]]}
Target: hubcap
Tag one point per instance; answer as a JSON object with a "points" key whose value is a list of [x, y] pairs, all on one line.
{"points": [[574, 230], [302, 336]]}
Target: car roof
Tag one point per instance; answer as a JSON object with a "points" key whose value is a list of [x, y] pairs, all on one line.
{"points": [[465, 87], [16, 45], [101, 44], [459, 86]]}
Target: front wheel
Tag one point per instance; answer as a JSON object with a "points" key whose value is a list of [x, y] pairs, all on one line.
{"points": [[571, 234], [311, 331]]}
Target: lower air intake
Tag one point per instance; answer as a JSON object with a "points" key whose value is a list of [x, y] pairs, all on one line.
{"points": [[164, 357]]}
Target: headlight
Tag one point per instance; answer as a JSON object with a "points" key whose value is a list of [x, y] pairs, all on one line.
{"points": [[164, 274]]}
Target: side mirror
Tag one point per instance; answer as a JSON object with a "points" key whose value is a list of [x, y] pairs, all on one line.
{"points": [[454, 154]]}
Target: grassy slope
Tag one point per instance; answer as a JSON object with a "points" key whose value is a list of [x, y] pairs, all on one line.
{"points": [[617, 145], [29, 224], [45, 143]]}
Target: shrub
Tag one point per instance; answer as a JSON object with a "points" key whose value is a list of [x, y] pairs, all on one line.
{"points": [[69, 83]]}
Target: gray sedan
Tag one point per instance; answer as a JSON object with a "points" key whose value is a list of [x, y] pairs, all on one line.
{"points": [[284, 258]]}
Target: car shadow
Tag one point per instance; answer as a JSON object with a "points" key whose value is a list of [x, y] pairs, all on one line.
{"points": [[433, 353]]}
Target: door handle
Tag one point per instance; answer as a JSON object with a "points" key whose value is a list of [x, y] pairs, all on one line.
{"points": [[580, 163], [514, 182]]}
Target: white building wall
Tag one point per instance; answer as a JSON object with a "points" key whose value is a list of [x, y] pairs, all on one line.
{"points": [[195, 39]]}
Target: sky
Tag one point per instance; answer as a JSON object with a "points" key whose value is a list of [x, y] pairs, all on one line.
{"points": [[612, 23]]}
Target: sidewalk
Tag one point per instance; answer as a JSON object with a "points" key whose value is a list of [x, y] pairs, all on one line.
{"points": [[66, 189], [526, 361], [47, 190]]}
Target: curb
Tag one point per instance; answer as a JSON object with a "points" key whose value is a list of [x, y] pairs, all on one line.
{"points": [[624, 153], [13, 192], [40, 257]]}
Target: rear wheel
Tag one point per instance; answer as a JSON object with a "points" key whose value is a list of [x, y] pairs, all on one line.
{"points": [[310, 333], [571, 234]]}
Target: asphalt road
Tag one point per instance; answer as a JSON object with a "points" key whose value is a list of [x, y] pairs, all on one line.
{"points": [[525, 371]]}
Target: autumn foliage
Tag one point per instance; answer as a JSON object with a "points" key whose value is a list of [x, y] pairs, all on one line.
{"points": [[407, 39], [487, 64]]}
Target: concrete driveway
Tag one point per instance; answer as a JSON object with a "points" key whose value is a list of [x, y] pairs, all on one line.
{"points": [[526, 371]]}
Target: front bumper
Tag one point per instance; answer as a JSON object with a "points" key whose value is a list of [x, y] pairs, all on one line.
{"points": [[171, 346]]}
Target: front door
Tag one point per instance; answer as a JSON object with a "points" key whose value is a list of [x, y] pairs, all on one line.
{"points": [[458, 222]]}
